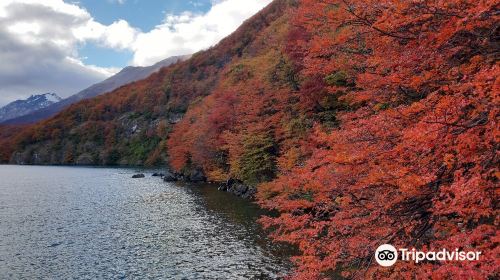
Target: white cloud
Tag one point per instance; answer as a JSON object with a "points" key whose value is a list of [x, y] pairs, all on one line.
{"points": [[118, 35], [188, 33], [105, 71], [39, 41], [39, 50]]}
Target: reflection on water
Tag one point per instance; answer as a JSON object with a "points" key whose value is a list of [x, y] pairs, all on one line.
{"points": [[87, 223]]}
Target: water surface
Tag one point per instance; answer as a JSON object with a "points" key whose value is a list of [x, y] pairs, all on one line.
{"points": [[98, 223]]}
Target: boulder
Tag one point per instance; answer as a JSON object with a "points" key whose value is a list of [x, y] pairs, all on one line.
{"points": [[170, 176], [250, 193], [238, 188], [222, 187], [196, 176], [158, 174], [140, 175]]}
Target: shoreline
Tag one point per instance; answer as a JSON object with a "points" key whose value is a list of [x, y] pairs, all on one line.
{"points": [[233, 186]]}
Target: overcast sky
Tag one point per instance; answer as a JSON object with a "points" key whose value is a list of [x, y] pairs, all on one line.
{"points": [[65, 46]]}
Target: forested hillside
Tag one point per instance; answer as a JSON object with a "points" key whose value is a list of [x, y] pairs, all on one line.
{"points": [[130, 125], [413, 159], [380, 122], [125, 76], [362, 122]]}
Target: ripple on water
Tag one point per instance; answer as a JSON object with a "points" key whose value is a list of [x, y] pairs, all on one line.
{"points": [[89, 223]]}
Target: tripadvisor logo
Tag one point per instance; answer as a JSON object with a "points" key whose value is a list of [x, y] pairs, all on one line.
{"points": [[387, 255]]}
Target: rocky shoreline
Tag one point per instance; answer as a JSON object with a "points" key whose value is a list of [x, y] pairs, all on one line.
{"points": [[237, 188], [233, 186]]}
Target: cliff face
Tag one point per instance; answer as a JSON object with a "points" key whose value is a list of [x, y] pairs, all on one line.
{"points": [[130, 125]]}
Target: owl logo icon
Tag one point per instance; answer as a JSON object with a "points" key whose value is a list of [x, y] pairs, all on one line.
{"points": [[386, 255]]}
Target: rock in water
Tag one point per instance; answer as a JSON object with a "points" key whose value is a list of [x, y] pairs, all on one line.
{"points": [[140, 175], [238, 188], [197, 176], [170, 177], [250, 192], [222, 187]]}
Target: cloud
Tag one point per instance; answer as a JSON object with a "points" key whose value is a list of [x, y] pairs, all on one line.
{"points": [[28, 69], [180, 34], [188, 33], [118, 35], [39, 42], [121, 2], [39, 50]]}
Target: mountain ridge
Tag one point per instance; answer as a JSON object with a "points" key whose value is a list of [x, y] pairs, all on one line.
{"points": [[126, 75], [31, 104], [145, 109], [359, 124]]}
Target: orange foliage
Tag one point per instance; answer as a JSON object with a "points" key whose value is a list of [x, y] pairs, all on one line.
{"points": [[362, 122], [414, 161]]}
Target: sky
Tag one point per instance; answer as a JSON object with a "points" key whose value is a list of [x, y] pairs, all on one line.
{"points": [[64, 46]]}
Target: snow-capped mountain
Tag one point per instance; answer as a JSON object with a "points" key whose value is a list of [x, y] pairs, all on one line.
{"points": [[29, 105], [125, 76]]}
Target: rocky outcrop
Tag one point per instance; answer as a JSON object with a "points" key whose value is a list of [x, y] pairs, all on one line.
{"points": [[233, 186], [238, 188], [196, 175], [170, 176]]}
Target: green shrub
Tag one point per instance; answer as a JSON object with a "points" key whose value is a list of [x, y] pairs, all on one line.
{"points": [[283, 73], [240, 73], [338, 78], [258, 161]]}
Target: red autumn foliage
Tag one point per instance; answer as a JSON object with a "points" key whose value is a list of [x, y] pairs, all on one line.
{"points": [[130, 125], [7, 133], [405, 94], [362, 122], [414, 161]]}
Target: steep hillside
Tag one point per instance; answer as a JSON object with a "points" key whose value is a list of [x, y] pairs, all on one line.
{"points": [[27, 106], [360, 122], [370, 123], [125, 76], [129, 125]]}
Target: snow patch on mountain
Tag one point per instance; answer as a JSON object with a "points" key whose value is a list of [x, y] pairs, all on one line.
{"points": [[26, 106]]}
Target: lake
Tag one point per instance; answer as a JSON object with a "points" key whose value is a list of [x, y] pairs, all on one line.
{"points": [[99, 223]]}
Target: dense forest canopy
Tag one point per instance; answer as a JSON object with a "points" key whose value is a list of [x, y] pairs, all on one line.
{"points": [[362, 122]]}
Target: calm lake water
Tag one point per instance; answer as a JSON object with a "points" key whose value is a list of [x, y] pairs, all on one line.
{"points": [[99, 223]]}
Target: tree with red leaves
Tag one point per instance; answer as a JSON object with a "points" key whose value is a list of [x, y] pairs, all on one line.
{"points": [[361, 122], [414, 161]]}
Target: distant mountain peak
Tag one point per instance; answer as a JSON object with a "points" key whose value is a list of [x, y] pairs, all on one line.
{"points": [[127, 75], [25, 106], [50, 97]]}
